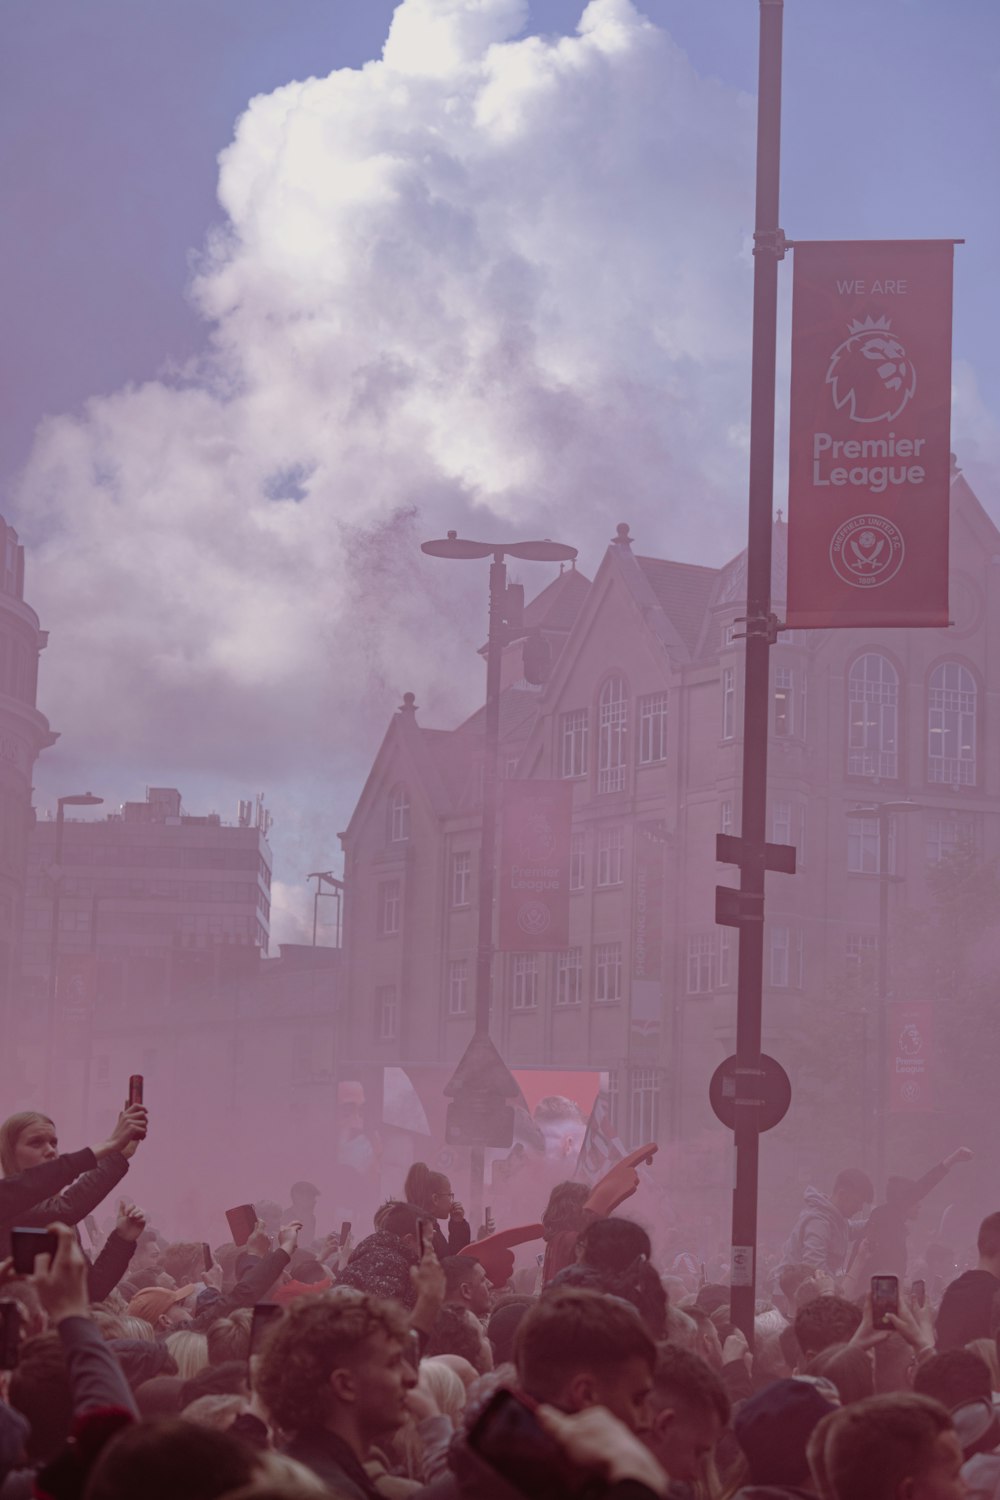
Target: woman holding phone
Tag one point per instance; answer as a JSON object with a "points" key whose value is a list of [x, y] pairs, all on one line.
{"points": [[34, 1171], [431, 1192]]}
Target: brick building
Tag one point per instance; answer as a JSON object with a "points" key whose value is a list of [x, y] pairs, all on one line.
{"points": [[643, 713]]}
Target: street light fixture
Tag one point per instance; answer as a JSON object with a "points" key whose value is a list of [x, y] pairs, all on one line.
{"points": [[75, 799], [884, 812], [504, 624]]}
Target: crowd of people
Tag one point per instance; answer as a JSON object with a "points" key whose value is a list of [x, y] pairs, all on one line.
{"points": [[417, 1361]]}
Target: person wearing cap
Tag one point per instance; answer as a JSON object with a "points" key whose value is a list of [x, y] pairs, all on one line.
{"points": [[165, 1311], [773, 1430]]}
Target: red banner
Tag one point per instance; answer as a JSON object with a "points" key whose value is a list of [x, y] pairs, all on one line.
{"points": [[909, 1055], [534, 866], [870, 456]]}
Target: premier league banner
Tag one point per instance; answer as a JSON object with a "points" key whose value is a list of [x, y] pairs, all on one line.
{"points": [[870, 460], [533, 884]]}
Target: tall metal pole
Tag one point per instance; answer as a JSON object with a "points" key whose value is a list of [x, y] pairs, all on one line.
{"points": [[881, 1020], [487, 847], [768, 250]]}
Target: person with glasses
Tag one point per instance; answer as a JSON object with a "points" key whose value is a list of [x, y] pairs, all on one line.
{"points": [[431, 1192]]}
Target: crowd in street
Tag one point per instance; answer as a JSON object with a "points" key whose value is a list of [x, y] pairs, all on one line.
{"points": [[420, 1359]]}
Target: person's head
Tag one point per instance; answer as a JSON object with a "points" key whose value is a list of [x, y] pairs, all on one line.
{"points": [[825, 1321], [444, 1387], [773, 1428], [988, 1242], [707, 1342], [227, 1379], [457, 1331], [147, 1251], [338, 1363], [184, 1261], [428, 1190], [816, 1456], [167, 1311], [136, 1328], [401, 1219], [26, 1140], [308, 1271], [613, 1244], [219, 1412], [304, 1195], [189, 1351], [953, 1377], [229, 1338], [107, 1323], [502, 1327], [39, 1390], [848, 1368], [160, 1460], [899, 1447], [159, 1397], [690, 1409], [564, 1209], [852, 1189], [577, 1349], [466, 1284]]}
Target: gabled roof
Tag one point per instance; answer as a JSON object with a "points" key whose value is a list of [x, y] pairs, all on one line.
{"points": [[559, 603], [518, 707], [683, 591]]}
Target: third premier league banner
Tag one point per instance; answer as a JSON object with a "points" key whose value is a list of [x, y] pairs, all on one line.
{"points": [[870, 460]]}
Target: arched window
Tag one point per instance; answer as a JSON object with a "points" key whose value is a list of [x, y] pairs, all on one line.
{"points": [[399, 815], [951, 725], [873, 717], [612, 724]]}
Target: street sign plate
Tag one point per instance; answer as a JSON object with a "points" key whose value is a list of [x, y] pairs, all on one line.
{"points": [[766, 1091]]}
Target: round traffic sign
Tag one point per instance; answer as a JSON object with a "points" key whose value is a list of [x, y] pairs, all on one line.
{"points": [[765, 1090]]}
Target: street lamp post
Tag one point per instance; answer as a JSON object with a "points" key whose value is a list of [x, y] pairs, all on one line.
{"points": [[77, 799], [502, 622], [884, 812]]}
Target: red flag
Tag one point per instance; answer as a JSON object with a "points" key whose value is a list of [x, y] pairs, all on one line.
{"points": [[910, 1055], [870, 454], [601, 1147], [534, 866]]}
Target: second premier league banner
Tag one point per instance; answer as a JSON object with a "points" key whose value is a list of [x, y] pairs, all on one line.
{"points": [[870, 459]]}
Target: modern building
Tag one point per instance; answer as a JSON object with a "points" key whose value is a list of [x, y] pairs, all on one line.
{"points": [[24, 732], [642, 714]]}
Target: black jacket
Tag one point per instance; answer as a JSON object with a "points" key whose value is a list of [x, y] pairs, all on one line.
{"points": [[251, 1288], [335, 1462], [21, 1194], [969, 1310]]}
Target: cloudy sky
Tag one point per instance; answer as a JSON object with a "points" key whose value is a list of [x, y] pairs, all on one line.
{"points": [[293, 284]]}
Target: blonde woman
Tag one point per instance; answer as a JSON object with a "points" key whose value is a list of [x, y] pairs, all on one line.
{"points": [[189, 1351]]}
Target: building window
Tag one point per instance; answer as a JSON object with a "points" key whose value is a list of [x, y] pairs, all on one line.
{"points": [[700, 947], [612, 724], [577, 861], [873, 717], [784, 702], [652, 729], [573, 735], [461, 879], [643, 1106], [781, 823], [608, 972], [946, 836], [399, 815], [524, 982], [614, 1101], [728, 702], [610, 850], [864, 846], [569, 977], [862, 952], [726, 816], [724, 955], [389, 904], [387, 1012], [951, 725], [458, 987], [785, 958]]}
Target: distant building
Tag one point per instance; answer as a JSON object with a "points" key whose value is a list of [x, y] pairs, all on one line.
{"points": [[24, 732], [145, 894], [643, 714]]}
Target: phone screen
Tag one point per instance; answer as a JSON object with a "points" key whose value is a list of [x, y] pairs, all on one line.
{"points": [[25, 1244], [345, 1233], [509, 1438], [885, 1299], [241, 1222], [135, 1089], [264, 1314], [206, 1250]]}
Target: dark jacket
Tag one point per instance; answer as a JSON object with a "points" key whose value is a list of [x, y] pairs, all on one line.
{"points": [[381, 1266], [335, 1462], [82, 1196], [969, 1310], [21, 1194], [882, 1251], [459, 1235], [109, 1267], [473, 1479], [252, 1287], [88, 1185]]}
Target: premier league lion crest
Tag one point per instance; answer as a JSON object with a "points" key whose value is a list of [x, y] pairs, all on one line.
{"points": [[870, 373]]}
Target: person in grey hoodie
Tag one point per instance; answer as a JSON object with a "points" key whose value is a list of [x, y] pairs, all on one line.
{"points": [[826, 1227]]}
